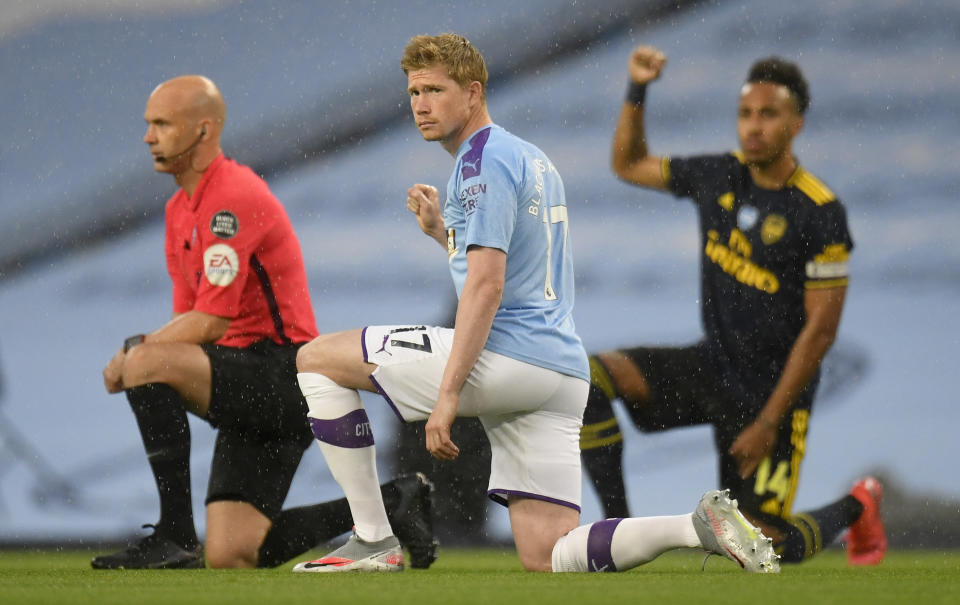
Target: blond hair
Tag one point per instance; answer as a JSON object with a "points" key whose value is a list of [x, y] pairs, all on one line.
{"points": [[463, 61]]}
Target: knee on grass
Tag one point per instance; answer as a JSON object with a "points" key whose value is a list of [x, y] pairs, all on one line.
{"points": [[221, 555]]}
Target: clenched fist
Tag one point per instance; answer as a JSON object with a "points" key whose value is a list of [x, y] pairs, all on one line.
{"points": [[646, 62]]}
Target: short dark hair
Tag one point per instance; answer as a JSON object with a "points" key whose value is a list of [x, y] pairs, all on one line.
{"points": [[785, 73]]}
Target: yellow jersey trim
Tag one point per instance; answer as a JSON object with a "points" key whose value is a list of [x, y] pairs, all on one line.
{"points": [[593, 435], [811, 186], [601, 379], [591, 444], [798, 439]]}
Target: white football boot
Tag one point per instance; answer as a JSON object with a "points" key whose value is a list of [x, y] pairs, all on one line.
{"points": [[723, 530], [358, 555]]}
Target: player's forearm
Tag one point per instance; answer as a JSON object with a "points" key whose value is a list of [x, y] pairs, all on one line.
{"points": [[194, 327], [632, 161], [805, 357], [823, 308], [476, 310], [439, 235], [629, 141]]}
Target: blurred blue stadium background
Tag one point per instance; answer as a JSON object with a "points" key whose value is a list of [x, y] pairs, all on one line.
{"points": [[316, 102]]}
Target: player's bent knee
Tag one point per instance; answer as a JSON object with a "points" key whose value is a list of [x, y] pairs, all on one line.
{"points": [[174, 364], [310, 356], [231, 551], [142, 366], [221, 556], [536, 563], [629, 380], [235, 532], [303, 357], [537, 527], [535, 554]]}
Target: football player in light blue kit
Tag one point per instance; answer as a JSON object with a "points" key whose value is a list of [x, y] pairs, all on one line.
{"points": [[513, 360], [505, 194]]}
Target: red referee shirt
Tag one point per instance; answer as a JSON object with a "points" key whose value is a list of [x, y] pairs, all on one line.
{"points": [[232, 252]]}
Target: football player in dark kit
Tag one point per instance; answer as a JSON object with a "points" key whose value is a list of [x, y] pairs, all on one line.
{"points": [[775, 245], [241, 311]]}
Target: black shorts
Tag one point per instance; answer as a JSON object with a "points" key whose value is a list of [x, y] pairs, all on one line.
{"points": [[685, 390], [261, 415]]}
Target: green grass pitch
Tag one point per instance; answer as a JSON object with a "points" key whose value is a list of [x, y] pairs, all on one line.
{"points": [[489, 576]]}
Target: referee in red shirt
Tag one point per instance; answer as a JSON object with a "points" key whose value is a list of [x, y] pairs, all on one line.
{"points": [[241, 310]]}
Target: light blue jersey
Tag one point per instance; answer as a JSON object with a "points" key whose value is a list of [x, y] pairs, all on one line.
{"points": [[504, 193]]}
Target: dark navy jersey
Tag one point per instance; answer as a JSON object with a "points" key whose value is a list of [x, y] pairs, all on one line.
{"points": [[761, 249]]}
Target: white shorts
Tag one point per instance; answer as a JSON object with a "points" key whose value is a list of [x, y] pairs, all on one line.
{"points": [[532, 416]]}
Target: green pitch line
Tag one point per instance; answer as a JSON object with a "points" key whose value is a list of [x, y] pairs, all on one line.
{"points": [[485, 576]]}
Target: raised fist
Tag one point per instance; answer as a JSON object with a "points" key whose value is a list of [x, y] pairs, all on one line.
{"points": [[645, 64]]}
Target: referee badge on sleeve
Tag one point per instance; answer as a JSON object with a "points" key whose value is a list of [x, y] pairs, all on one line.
{"points": [[220, 264], [224, 224]]}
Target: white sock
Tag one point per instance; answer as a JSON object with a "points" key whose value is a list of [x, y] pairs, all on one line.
{"points": [[621, 544], [343, 433]]}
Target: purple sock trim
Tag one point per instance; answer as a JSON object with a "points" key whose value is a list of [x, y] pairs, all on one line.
{"points": [[352, 430], [599, 557]]}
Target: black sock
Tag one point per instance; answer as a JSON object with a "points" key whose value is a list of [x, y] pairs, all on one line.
{"points": [[297, 530], [166, 439], [810, 531], [391, 498], [601, 448]]}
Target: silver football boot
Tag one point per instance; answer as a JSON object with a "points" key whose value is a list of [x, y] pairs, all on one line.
{"points": [[723, 530], [358, 555]]}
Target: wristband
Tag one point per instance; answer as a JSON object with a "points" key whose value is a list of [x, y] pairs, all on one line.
{"points": [[132, 341], [636, 93]]}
